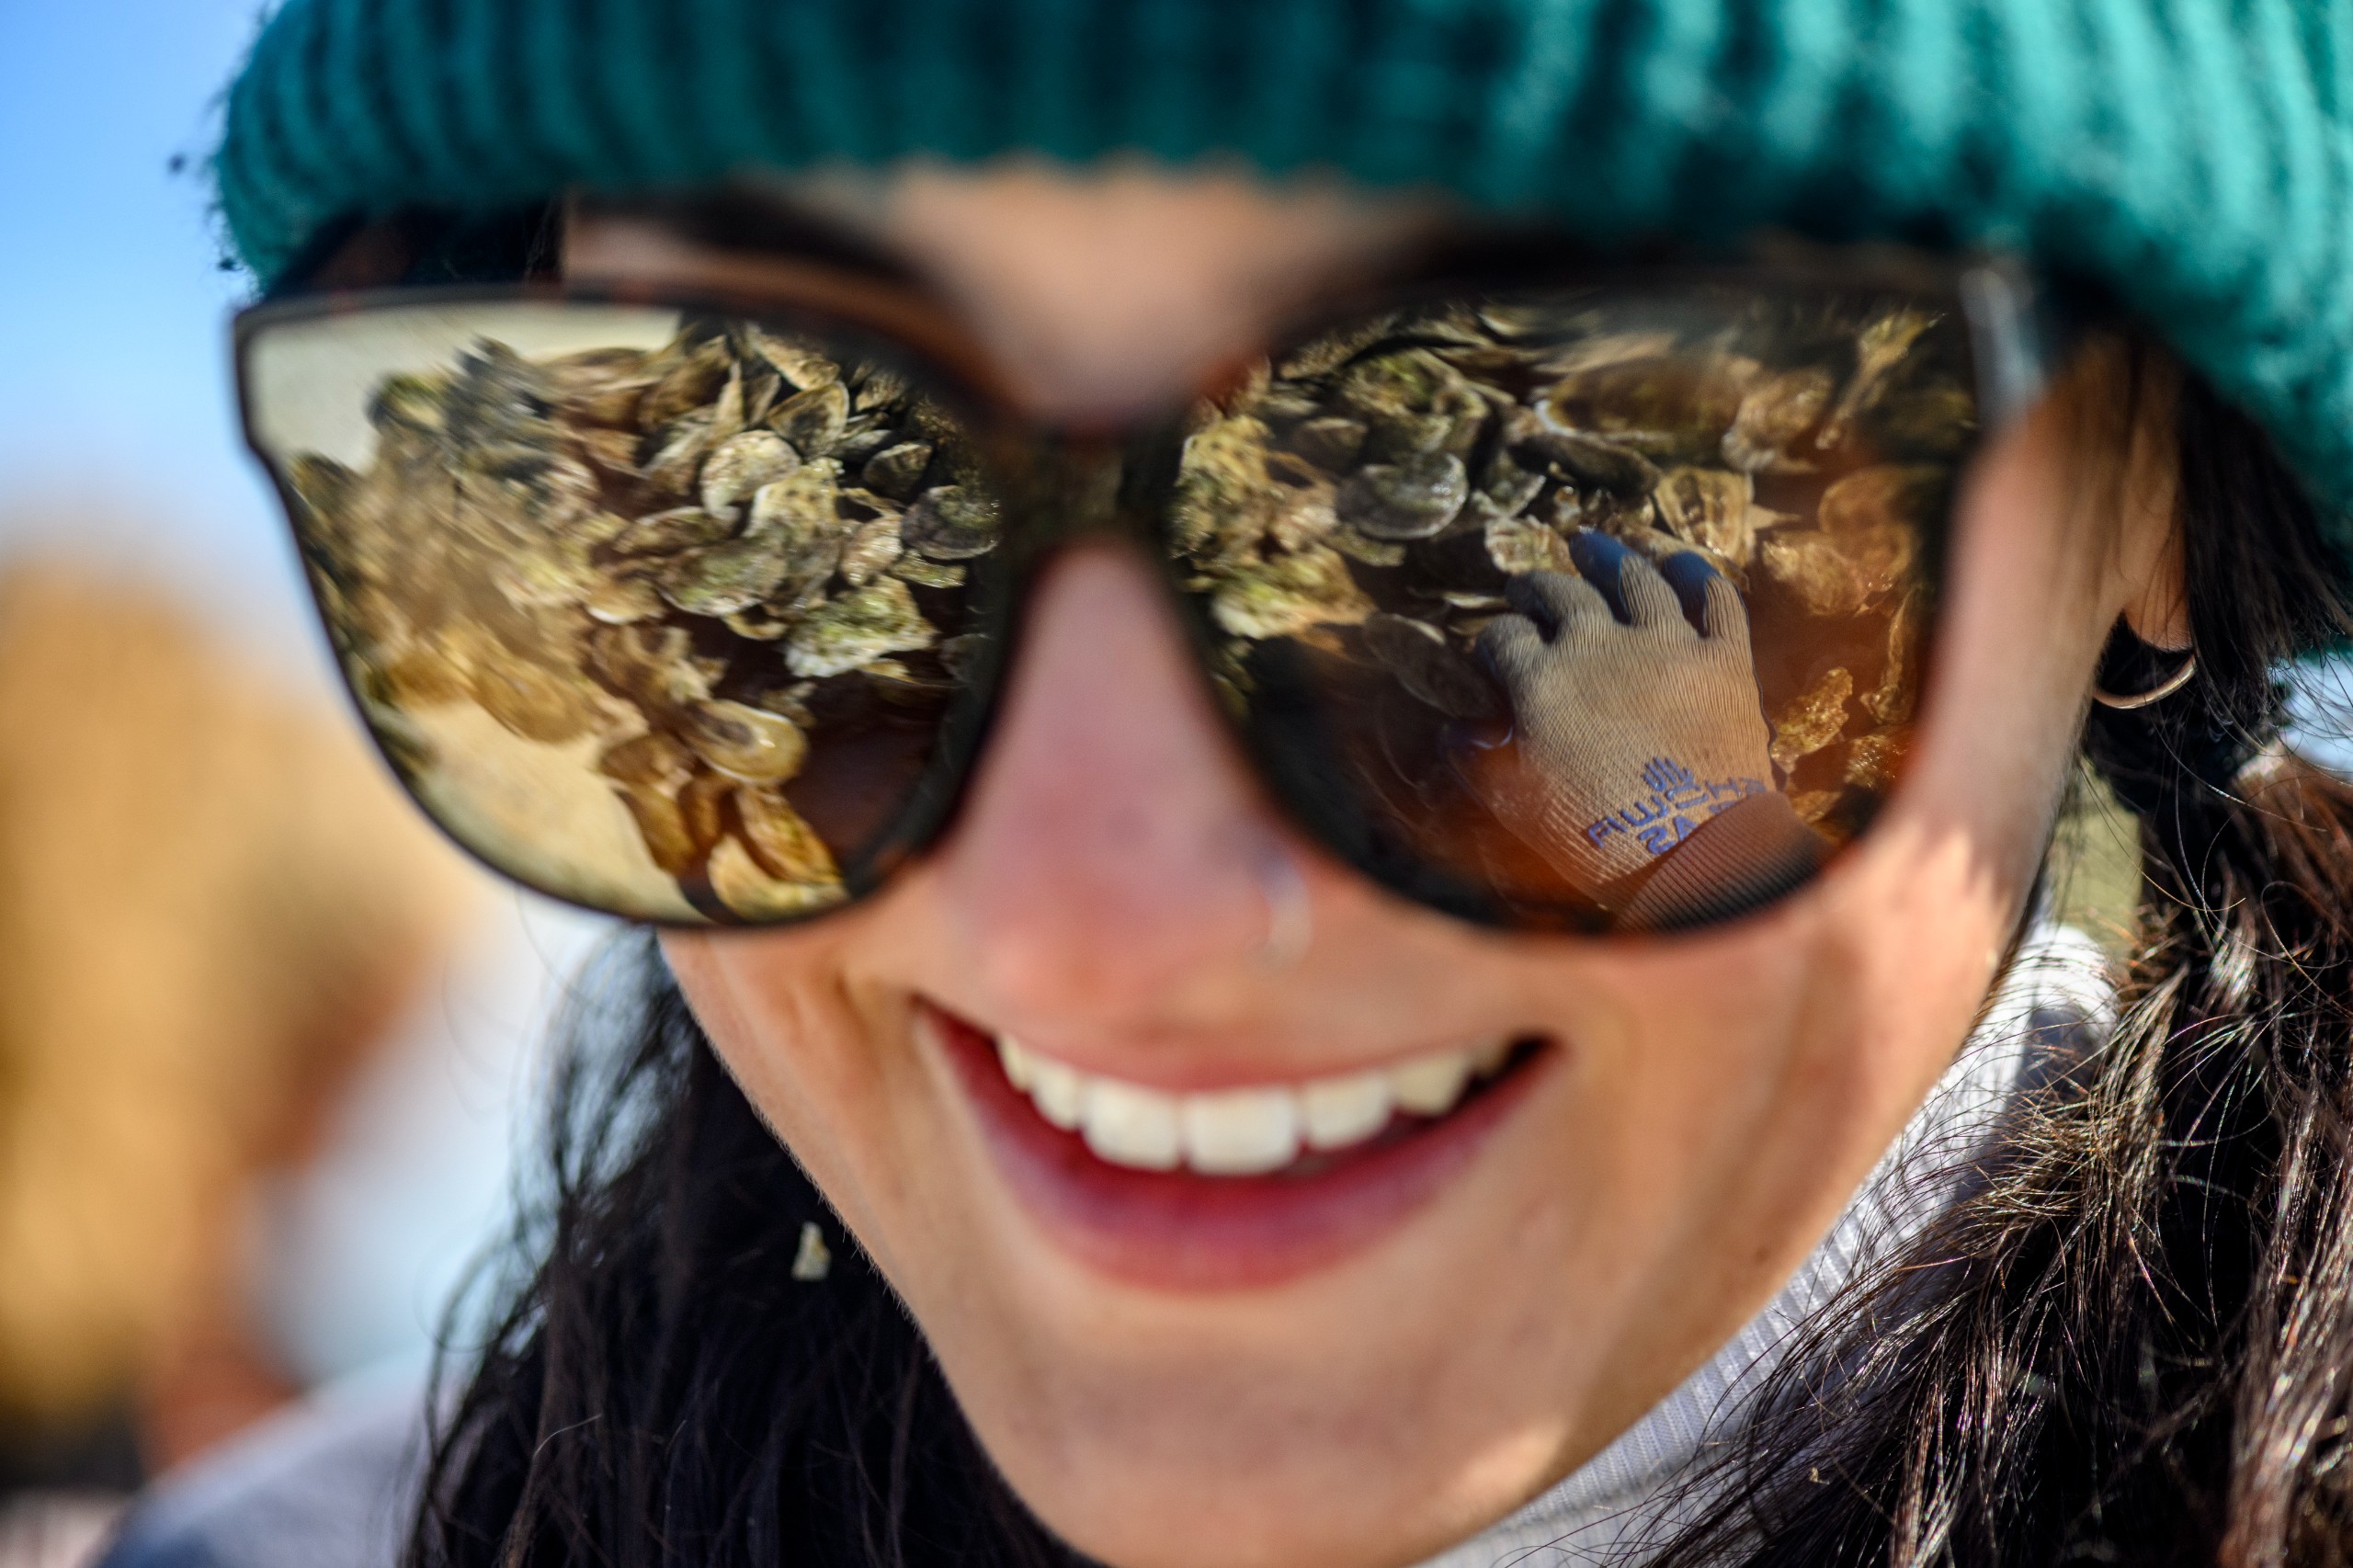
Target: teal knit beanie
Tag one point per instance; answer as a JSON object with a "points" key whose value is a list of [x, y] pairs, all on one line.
{"points": [[2191, 153]]}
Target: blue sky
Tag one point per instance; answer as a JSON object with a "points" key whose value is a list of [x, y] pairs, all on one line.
{"points": [[117, 433]]}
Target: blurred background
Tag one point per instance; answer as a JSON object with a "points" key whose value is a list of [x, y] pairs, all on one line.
{"points": [[265, 1043]]}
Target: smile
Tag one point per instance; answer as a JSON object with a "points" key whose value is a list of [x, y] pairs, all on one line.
{"points": [[1227, 1187], [1244, 1132]]}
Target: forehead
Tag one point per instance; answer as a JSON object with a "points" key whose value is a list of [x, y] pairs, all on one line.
{"points": [[1101, 292]]}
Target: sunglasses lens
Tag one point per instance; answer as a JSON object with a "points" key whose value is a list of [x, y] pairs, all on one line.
{"points": [[1597, 610], [676, 618]]}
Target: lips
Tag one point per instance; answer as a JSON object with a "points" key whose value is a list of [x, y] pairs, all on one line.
{"points": [[1230, 1189]]}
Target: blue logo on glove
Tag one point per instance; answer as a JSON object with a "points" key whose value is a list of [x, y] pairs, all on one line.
{"points": [[1666, 818]]}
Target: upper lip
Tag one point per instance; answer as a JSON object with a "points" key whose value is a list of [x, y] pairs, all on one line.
{"points": [[1176, 1066]]}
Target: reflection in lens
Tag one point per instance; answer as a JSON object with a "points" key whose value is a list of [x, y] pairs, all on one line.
{"points": [[661, 616], [1599, 609]]}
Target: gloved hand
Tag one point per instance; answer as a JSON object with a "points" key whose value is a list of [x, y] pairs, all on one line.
{"points": [[1635, 710]]}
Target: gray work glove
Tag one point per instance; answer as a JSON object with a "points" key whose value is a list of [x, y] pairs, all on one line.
{"points": [[1635, 710]]}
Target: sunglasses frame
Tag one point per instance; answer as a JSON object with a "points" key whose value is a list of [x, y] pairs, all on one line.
{"points": [[1057, 487]]}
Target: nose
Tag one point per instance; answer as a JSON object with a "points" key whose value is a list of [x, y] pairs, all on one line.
{"points": [[1113, 861]]}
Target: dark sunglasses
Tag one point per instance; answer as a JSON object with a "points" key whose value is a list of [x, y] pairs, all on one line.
{"points": [[1554, 596]]}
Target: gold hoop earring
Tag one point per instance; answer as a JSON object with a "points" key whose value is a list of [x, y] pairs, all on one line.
{"points": [[2156, 693]]}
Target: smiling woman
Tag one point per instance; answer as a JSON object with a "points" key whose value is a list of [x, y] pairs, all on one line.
{"points": [[1391, 855]]}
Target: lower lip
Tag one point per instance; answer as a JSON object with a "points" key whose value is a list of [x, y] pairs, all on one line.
{"points": [[1179, 1231]]}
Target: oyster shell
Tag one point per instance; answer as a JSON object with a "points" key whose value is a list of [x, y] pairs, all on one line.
{"points": [[897, 471], [1872, 760], [673, 455], [1287, 594], [1508, 486], [1224, 495], [744, 741], [529, 699], [1875, 515], [924, 573], [1813, 720], [803, 367], [1331, 441], [1813, 566], [621, 601], [1518, 545], [1588, 461], [1881, 347], [784, 843], [1676, 406], [668, 532], [872, 550], [1425, 664], [1774, 413], [724, 578], [813, 421], [1411, 499], [653, 760], [661, 824], [691, 383], [1893, 699], [952, 522], [748, 891], [858, 629], [742, 464], [1713, 509]]}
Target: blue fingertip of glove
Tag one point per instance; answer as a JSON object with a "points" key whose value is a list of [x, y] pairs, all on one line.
{"points": [[1689, 573], [1599, 559]]}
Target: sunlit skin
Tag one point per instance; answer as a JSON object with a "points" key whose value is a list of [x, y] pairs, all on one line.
{"points": [[1715, 1097]]}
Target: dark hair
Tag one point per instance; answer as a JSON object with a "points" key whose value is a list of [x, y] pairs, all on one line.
{"points": [[2131, 1341]]}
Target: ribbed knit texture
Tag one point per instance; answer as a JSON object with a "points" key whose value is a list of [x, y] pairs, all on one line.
{"points": [[2194, 153]]}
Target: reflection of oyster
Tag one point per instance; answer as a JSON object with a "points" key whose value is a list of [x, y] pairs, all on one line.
{"points": [[1715, 509], [1430, 668], [1387, 476], [1891, 701], [1875, 514], [690, 567], [1812, 720], [858, 629], [1518, 545], [664, 528], [952, 523], [1774, 413], [1413, 498], [1878, 348], [1289, 594]]}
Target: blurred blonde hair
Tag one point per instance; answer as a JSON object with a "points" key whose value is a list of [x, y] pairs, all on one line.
{"points": [[211, 903]]}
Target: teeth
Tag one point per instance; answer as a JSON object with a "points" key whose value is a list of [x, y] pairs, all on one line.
{"points": [[1020, 1067], [1341, 1112], [1242, 1131], [1059, 1093], [1428, 1086], [1128, 1125]]}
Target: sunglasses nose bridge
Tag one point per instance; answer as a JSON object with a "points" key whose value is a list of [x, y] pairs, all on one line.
{"points": [[1060, 490]]}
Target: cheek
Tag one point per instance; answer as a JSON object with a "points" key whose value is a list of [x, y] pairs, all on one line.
{"points": [[802, 1039], [1750, 1080]]}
